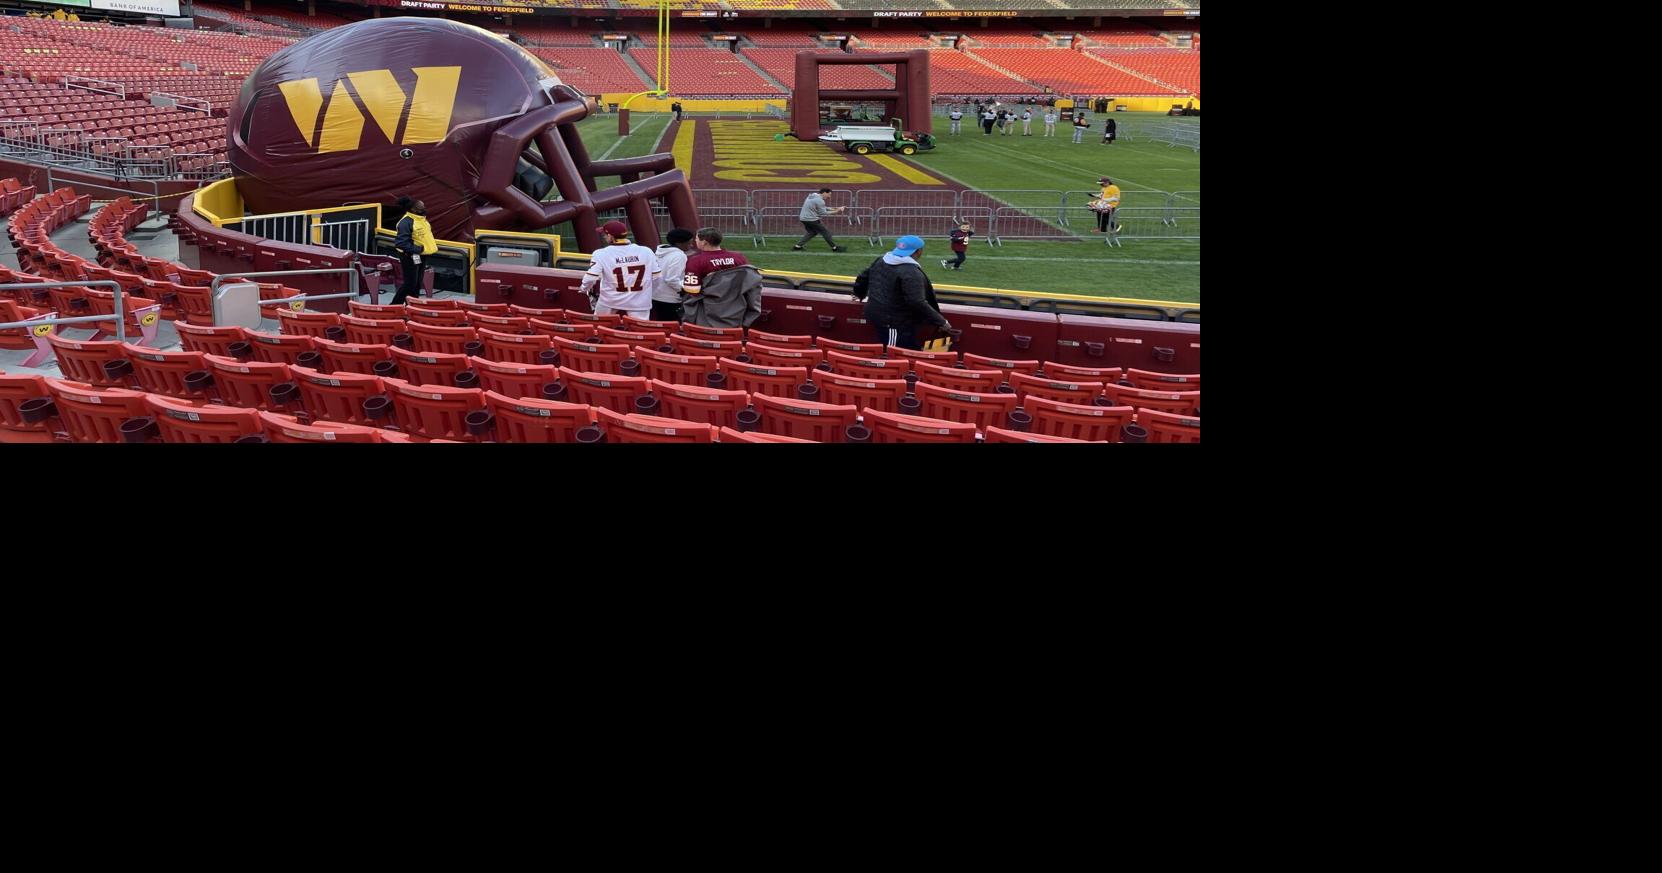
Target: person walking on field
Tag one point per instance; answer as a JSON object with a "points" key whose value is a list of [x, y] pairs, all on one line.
{"points": [[1050, 122], [813, 215]]}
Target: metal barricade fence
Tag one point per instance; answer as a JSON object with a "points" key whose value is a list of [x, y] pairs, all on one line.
{"points": [[1162, 223], [1033, 200], [883, 199], [777, 221], [729, 221], [779, 198], [725, 202], [294, 227], [929, 221], [354, 236], [1062, 223]]}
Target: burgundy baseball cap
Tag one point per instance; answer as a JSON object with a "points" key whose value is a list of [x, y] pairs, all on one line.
{"points": [[615, 228]]}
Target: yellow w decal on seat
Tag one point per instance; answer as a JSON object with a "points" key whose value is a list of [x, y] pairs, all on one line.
{"points": [[343, 124]]}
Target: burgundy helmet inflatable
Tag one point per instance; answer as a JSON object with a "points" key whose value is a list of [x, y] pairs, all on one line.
{"points": [[451, 114]]}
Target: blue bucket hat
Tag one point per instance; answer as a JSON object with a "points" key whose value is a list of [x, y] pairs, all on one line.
{"points": [[908, 246]]}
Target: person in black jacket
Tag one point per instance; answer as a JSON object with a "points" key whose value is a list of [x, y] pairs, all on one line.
{"points": [[899, 297]]}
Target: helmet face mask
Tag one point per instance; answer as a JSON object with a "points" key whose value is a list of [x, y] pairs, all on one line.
{"points": [[444, 112]]}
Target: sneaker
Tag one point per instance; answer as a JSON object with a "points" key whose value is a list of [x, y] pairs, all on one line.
{"points": [[943, 263], [1096, 230], [1116, 228], [838, 249], [796, 248]]}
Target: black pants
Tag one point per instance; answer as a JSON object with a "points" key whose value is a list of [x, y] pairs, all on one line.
{"points": [[666, 311], [815, 228], [412, 279], [1102, 219], [958, 261], [986, 127], [900, 337]]}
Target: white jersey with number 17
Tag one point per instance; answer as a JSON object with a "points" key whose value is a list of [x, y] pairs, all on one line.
{"points": [[625, 273]]}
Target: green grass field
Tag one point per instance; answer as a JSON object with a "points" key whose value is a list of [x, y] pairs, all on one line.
{"points": [[1149, 269]]}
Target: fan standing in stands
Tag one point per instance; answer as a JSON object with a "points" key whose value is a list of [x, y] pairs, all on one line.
{"points": [[672, 262], [621, 271], [414, 239], [716, 294], [899, 296]]}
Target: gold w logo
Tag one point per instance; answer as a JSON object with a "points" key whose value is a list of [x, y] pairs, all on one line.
{"points": [[343, 124]]}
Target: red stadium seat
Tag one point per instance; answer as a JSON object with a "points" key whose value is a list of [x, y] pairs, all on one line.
{"points": [[482, 308], [575, 332], [651, 429], [313, 324], [939, 359], [350, 357], [1088, 423], [981, 410], [726, 334], [543, 314], [593, 320], [434, 412], [1065, 373], [180, 422], [640, 324], [427, 368], [1000, 435], [1166, 427], [977, 362], [209, 340], [779, 340], [729, 435], [442, 340], [245, 383], [1180, 402], [17, 390], [692, 403], [83, 360], [772, 356], [880, 394], [279, 348], [592, 357], [375, 310], [820, 422], [1051, 389], [514, 380], [164, 372], [616, 393], [858, 350], [1171, 382], [372, 331], [501, 323], [876, 368], [631, 338], [513, 348], [888, 427], [286, 429], [675, 368], [757, 379], [983, 381], [435, 317], [524, 420], [707, 347], [338, 396], [93, 415]]}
